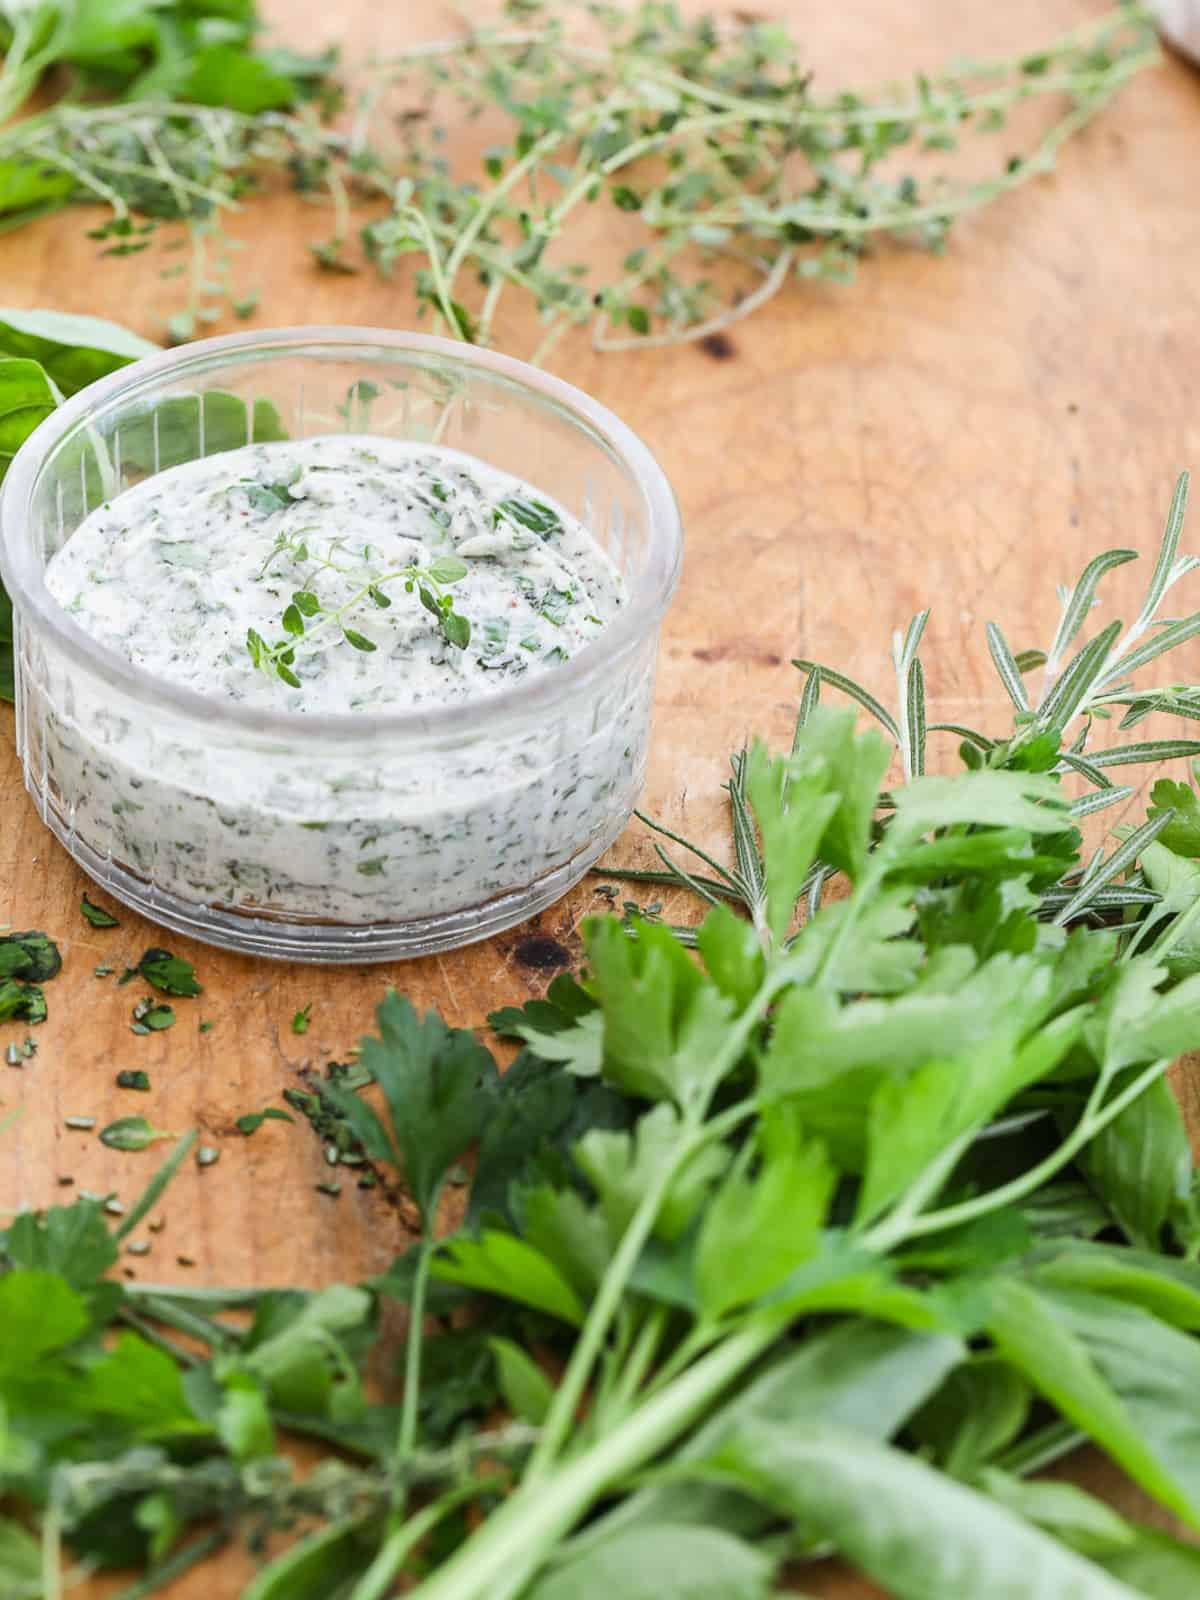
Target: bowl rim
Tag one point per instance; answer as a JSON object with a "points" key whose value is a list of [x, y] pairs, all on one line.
{"points": [[633, 623]]}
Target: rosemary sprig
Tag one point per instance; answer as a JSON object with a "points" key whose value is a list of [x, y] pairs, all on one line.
{"points": [[1078, 696]]}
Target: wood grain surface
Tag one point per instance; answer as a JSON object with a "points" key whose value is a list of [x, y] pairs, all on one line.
{"points": [[960, 432]]}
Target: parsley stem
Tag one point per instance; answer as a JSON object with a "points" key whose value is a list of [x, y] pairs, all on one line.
{"points": [[1041, 1449], [895, 1231], [377, 1580], [694, 1133], [407, 1439], [499, 1559]]}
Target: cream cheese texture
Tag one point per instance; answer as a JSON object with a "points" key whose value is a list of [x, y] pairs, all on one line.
{"points": [[175, 572]]}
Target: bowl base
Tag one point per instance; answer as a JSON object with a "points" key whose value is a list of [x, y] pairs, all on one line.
{"points": [[329, 943]]}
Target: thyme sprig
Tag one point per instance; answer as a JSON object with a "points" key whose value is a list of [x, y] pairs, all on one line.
{"points": [[306, 615], [714, 145], [732, 173]]}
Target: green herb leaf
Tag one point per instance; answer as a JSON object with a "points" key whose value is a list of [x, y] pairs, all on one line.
{"points": [[253, 1120], [97, 916], [167, 973], [131, 1133]]}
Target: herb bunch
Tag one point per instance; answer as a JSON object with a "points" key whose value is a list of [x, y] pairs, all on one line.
{"points": [[711, 144], [733, 174], [826, 1237]]}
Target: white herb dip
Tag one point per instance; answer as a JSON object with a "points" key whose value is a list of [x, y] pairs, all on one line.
{"points": [[174, 573]]}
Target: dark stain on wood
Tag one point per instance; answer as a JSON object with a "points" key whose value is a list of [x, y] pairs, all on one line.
{"points": [[542, 954], [739, 650], [719, 346]]}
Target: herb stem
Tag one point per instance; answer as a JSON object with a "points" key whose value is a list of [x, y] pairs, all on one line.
{"points": [[407, 1439], [501, 1557], [377, 1580], [1041, 1448], [886, 1237], [159, 1340], [767, 290]]}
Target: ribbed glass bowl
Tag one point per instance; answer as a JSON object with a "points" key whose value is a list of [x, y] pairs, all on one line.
{"points": [[250, 829]]}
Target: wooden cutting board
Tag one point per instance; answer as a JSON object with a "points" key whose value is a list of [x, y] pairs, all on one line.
{"points": [[962, 433]]}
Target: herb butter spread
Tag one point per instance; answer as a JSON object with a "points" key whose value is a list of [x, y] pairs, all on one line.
{"points": [[176, 572], [340, 574]]}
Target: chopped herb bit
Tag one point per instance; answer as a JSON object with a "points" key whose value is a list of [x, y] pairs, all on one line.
{"points": [[97, 916], [331, 1189], [66, 1183], [157, 1225], [13, 1055], [139, 1247], [33, 957], [80, 1124], [132, 1133], [184, 1261], [253, 1120], [133, 1080], [22, 1002], [151, 1016], [207, 1155], [169, 974], [114, 1207], [206, 1027], [103, 972], [302, 1018]]}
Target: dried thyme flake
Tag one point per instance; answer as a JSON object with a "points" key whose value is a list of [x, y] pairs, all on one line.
{"points": [[133, 1080], [80, 1124]]}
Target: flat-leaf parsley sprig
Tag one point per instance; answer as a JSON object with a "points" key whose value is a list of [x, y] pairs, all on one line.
{"points": [[428, 583]]}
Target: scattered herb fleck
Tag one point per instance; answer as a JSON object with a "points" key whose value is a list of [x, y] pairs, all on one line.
{"points": [[151, 1016], [97, 916], [207, 1155], [302, 1019], [132, 1133], [169, 974], [253, 1120], [80, 1124], [133, 1080]]}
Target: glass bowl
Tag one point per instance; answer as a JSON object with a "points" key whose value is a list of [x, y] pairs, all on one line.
{"points": [[350, 837]]}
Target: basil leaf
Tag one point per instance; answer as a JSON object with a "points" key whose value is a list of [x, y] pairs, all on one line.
{"points": [[861, 1496], [73, 351], [664, 1562]]}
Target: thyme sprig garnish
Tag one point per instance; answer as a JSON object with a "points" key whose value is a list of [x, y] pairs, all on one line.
{"points": [[305, 615], [732, 173]]}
